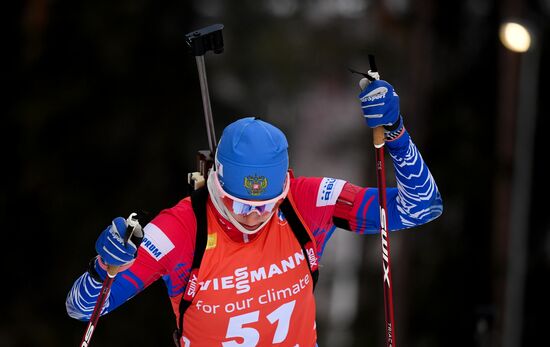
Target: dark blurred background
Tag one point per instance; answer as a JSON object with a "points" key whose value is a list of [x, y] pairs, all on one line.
{"points": [[103, 115]]}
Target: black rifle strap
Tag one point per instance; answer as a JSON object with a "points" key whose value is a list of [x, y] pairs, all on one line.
{"points": [[300, 231], [198, 202]]}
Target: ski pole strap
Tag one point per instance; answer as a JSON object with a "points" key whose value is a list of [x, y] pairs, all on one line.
{"points": [[92, 270]]}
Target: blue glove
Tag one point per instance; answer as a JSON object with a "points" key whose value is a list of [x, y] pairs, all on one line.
{"points": [[380, 104], [111, 245]]}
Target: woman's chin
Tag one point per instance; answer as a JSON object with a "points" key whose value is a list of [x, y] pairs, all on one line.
{"points": [[251, 227]]}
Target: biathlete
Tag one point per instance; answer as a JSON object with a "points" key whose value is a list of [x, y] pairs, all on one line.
{"points": [[264, 232]]}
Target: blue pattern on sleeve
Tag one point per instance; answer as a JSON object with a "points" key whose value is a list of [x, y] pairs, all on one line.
{"points": [[415, 201], [83, 295]]}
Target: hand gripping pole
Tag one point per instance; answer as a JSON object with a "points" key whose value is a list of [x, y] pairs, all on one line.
{"points": [[133, 225]]}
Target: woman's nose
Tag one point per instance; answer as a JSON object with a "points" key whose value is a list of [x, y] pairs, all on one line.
{"points": [[253, 218]]}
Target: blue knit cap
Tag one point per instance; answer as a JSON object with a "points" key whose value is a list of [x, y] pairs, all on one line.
{"points": [[252, 159]]}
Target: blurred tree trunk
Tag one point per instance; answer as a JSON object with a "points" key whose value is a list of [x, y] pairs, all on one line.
{"points": [[505, 141], [420, 74]]}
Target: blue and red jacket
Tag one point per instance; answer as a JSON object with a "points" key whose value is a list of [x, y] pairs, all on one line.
{"points": [[325, 204]]}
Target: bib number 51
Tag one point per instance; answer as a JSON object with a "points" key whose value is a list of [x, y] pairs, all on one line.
{"points": [[248, 336]]}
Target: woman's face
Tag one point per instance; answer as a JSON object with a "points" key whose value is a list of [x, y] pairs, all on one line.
{"points": [[252, 220]]}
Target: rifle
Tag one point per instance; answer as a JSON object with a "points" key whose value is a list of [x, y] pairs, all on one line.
{"points": [[200, 42]]}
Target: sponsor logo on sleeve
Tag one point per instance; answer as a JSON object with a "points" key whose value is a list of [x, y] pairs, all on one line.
{"points": [[155, 242], [329, 190]]}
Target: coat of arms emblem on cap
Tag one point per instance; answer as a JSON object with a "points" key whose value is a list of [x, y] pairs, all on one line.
{"points": [[255, 185]]}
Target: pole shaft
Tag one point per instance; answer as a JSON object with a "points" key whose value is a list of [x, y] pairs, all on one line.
{"points": [[378, 140], [94, 318]]}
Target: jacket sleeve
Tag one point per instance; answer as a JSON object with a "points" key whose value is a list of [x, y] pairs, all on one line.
{"points": [[83, 295], [166, 251], [415, 201]]}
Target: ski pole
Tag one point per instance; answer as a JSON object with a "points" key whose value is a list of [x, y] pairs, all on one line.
{"points": [[201, 41], [131, 222], [378, 141]]}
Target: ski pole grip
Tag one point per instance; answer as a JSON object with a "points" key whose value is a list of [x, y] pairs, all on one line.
{"points": [[133, 226], [378, 132], [112, 270], [378, 136]]}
